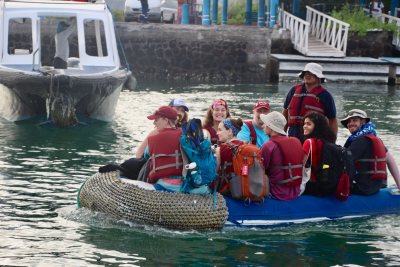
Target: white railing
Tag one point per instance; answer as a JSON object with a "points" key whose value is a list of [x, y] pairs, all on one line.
{"points": [[384, 18], [327, 29], [298, 28]]}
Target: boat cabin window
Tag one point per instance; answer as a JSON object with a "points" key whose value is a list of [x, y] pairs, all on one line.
{"points": [[95, 38], [20, 36]]}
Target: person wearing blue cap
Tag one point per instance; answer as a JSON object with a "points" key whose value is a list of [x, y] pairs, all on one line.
{"points": [[64, 30]]}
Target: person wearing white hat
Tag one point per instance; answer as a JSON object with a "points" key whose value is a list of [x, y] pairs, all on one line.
{"points": [[307, 97], [369, 154], [182, 108], [282, 158]]}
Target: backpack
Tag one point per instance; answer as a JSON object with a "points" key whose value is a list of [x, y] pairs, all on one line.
{"points": [[199, 150], [249, 181], [333, 171]]}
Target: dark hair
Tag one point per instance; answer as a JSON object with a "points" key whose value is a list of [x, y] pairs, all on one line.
{"points": [[321, 127]]}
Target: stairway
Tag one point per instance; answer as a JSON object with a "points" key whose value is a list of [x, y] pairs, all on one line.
{"points": [[349, 69]]}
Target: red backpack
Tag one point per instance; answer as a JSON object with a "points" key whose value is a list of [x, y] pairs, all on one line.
{"points": [[250, 181]]}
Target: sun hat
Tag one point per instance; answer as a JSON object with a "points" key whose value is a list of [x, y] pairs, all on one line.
{"points": [[165, 112], [178, 102], [275, 121], [315, 69], [355, 113], [261, 104], [219, 102]]}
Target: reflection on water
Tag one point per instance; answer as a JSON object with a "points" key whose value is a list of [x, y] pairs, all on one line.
{"points": [[42, 167]]}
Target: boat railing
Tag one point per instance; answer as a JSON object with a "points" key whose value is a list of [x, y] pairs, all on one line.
{"points": [[298, 28], [327, 29], [387, 19]]}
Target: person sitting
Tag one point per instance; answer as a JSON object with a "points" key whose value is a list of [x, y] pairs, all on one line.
{"points": [[317, 132], [215, 114], [64, 31], [182, 108], [227, 135], [369, 155], [282, 157], [252, 131]]}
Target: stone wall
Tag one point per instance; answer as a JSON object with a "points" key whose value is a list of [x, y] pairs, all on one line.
{"points": [[374, 44], [197, 54]]}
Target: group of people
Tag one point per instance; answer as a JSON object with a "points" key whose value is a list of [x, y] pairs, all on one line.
{"points": [[288, 141]]}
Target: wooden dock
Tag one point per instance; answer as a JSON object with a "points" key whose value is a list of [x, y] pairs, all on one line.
{"points": [[348, 69]]}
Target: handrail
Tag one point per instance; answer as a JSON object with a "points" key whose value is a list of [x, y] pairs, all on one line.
{"points": [[327, 29], [385, 18], [299, 30]]}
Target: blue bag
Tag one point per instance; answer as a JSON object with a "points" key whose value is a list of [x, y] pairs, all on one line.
{"points": [[199, 150]]}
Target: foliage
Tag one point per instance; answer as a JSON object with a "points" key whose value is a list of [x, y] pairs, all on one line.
{"points": [[237, 13], [118, 15], [360, 22]]}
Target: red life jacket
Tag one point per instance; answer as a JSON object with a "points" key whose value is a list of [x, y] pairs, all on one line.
{"points": [[165, 154], [293, 155], [253, 135], [378, 160], [226, 155], [304, 102], [213, 134]]}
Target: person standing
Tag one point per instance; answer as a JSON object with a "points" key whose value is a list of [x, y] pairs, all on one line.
{"points": [[369, 154], [252, 131], [143, 18], [310, 96], [64, 31]]}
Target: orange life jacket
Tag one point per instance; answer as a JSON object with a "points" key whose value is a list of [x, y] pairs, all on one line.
{"points": [[292, 155], [304, 102], [378, 160], [165, 154]]}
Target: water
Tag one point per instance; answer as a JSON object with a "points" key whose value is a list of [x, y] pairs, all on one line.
{"points": [[42, 167]]}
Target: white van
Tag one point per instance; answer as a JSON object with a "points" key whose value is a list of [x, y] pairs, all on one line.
{"points": [[160, 10]]}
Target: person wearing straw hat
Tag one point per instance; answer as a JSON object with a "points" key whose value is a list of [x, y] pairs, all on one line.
{"points": [[282, 158], [310, 96], [369, 154]]}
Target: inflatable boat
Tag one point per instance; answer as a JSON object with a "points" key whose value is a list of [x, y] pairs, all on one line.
{"points": [[140, 202]]}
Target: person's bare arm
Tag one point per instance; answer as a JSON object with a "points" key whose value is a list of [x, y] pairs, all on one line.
{"points": [[393, 169], [333, 124], [140, 150], [285, 114]]}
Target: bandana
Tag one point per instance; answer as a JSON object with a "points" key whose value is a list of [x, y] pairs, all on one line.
{"points": [[228, 125], [368, 128], [219, 102]]}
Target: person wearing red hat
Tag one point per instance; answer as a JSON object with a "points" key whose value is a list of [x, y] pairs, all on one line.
{"points": [[163, 149], [215, 114], [252, 131]]}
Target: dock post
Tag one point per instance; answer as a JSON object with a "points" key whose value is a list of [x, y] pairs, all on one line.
{"points": [[224, 20], [261, 13], [206, 13], [393, 7], [185, 14], [273, 10], [215, 12], [249, 5], [392, 74]]}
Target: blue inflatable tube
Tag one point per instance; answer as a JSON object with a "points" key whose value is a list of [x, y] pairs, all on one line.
{"points": [[310, 208]]}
